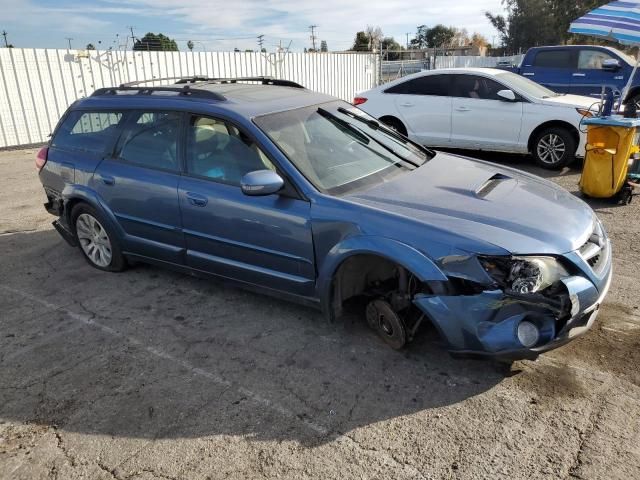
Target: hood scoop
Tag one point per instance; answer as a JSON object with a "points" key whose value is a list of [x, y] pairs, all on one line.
{"points": [[489, 186]]}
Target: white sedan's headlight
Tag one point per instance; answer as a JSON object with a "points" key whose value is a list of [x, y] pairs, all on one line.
{"points": [[533, 274]]}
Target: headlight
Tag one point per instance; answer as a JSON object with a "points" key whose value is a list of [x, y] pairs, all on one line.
{"points": [[525, 274], [584, 112]]}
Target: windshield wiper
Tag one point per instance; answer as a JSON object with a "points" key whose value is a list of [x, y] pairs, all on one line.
{"points": [[330, 116], [355, 131], [375, 125]]}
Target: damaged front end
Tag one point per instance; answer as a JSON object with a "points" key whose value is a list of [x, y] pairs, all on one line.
{"points": [[515, 307]]}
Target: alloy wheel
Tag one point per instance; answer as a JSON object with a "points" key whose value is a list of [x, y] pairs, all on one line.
{"points": [[94, 240], [551, 149]]}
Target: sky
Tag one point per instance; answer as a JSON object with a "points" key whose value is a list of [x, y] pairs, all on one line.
{"points": [[226, 24]]}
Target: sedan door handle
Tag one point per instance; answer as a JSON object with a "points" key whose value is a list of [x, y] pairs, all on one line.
{"points": [[406, 104], [463, 109], [107, 179], [196, 199], [579, 75]]}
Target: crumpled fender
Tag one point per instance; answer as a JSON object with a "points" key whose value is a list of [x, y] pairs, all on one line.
{"points": [[73, 192], [410, 258]]}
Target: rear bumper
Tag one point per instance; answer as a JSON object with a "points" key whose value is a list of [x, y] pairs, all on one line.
{"points": [[485, 325], [65, 232]]}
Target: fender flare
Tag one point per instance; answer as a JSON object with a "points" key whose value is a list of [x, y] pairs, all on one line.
{"points": [[413, 260], [74, 192]]}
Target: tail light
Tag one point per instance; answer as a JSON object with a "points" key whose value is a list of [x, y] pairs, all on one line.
{"points": [[359, 100], [41, 158]]}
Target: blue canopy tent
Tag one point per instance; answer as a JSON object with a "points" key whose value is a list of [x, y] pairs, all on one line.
{"points": [[618, 21]]}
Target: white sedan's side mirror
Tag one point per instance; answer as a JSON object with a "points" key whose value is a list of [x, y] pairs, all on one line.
{"points": [[507, 95]]}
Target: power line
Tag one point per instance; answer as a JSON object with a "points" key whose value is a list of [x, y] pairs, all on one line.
{"points": [[313, 35]]}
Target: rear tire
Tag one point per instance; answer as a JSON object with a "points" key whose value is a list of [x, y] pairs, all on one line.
{"points": [[96, 239], [554, 148], [394, 124]]}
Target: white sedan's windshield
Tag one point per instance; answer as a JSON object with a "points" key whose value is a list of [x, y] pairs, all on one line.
{"points": [[338, 147], [525, 86]]}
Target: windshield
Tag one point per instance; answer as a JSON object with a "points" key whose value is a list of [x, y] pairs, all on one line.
{"points": [[526, 86], [339, 148]]}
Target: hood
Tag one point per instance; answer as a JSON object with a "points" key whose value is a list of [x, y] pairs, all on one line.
{"points": [[481, 201], [576, 101]]}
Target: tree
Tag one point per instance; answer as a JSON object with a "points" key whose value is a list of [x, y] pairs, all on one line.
{"points": [[419, 41], [323, 46], [367, 40], [361, 43], [460, 37], [375, 36], [479, 40], [90, 46], [440, 37], [190, 45], [154, 42], [529, 23]]}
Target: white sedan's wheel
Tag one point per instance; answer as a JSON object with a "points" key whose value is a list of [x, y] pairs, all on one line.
{"points": [[554, 148]]}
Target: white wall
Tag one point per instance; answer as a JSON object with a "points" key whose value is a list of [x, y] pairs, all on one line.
{"points": [[469, 62], [37, 86]]}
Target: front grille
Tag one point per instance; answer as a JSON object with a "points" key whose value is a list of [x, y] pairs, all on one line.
{"points": [[596, 250]]}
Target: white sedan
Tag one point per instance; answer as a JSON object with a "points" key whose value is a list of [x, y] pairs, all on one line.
{"points": [[483, 109]]}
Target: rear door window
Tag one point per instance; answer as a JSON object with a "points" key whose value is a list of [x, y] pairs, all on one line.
{"points": [[150, 139], [88, 131], [434, 85], [553, 59], [474, 86]]}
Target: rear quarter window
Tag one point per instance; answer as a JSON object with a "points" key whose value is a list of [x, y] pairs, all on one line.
{"points": [[88, 131]]}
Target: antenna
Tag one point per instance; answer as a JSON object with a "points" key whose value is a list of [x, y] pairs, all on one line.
{"points": [[313, 35]]}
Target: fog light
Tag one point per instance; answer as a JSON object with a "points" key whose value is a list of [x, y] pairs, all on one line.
{"points": [[528, 334]]}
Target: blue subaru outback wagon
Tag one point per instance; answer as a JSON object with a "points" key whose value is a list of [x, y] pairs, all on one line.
{"points": [[299, 194]]}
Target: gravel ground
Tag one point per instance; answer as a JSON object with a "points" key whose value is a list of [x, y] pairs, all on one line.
{"points": [[151, 374]]}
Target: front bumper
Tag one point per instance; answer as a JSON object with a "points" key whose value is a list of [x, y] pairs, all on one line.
{"points": [[485, 325]]}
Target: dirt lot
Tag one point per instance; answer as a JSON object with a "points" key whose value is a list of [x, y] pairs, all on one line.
{"points": [[151, 374]]}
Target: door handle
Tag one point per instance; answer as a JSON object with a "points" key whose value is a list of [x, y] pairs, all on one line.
{"points": [[406, 104], [107, 179], [529, 74], [463, 109], [196, 199], [579, 75]]}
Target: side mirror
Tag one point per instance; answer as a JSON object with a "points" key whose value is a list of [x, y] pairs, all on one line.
{"points": [[611, 65], [261, 182], [507, 95]]}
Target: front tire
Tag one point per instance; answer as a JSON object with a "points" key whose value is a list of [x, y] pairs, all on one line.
{"points": [[97, 241], [554, 148]]}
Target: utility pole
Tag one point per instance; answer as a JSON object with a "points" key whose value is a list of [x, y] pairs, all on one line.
{"points": [[407, 34], [68, 39], [133, 37], [4, 34], [260, 41], [313, 35]]}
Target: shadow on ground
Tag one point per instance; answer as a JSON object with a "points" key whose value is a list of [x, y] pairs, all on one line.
{"points": [[149, 353]]}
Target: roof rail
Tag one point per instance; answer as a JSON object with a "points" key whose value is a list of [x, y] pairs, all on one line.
{"points": [[193, 79], [185, 91], [264, 80]]}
